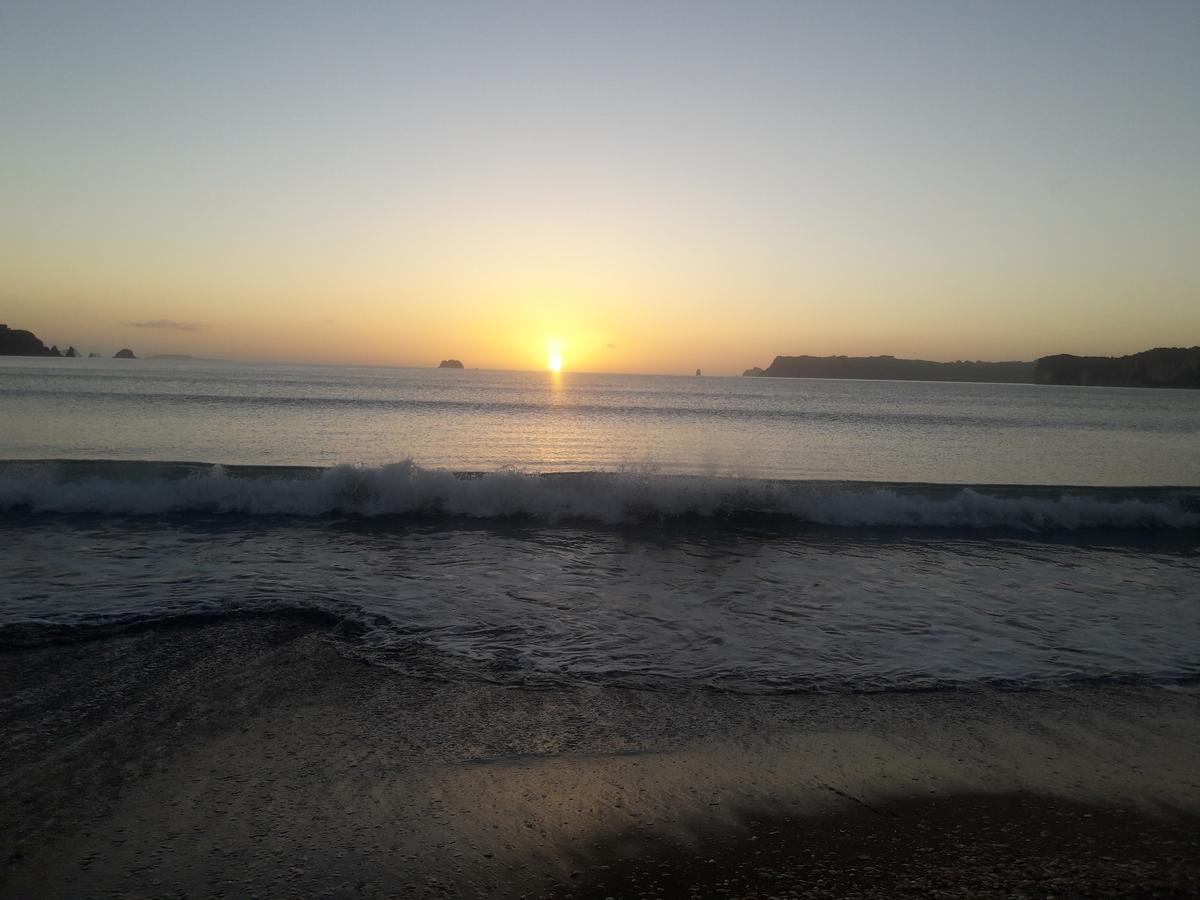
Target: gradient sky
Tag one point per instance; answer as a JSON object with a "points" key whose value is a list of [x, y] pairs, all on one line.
{"points": [[658, 186]]}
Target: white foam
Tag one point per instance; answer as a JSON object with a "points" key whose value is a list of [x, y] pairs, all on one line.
{"points": [[607, 497]]}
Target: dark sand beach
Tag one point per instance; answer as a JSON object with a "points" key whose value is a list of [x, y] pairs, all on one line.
{"points": [[260, 757]]}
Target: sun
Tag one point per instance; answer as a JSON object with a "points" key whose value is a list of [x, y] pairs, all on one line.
{"points": [[555, 362]]}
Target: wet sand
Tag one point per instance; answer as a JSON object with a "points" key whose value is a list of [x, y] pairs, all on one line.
{"points": [[259, 757]]}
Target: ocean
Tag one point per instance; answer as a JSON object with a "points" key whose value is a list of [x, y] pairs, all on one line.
{"points": [[655, 532]]}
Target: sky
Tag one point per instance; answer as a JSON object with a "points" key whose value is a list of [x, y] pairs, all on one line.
{"points": [[649, 186]]}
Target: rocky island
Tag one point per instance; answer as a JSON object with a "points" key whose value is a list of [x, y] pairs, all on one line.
{"points": [[124, 354], [450, 364]]}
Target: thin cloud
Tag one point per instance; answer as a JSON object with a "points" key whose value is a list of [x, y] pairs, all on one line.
{"points": [[168, 325]]}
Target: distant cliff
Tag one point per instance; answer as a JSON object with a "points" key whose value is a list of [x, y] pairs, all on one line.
{"points": [[889, 368], [1177, 367], [450, 364], [16, 342]]}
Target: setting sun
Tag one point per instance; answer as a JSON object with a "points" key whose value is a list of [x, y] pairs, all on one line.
{"points": [[555, 362]]}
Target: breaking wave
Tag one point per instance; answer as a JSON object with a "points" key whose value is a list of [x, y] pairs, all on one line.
{"points": [[404, 488]]}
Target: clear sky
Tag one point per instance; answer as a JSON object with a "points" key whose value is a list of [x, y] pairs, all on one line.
{"points": [[655, 186]]}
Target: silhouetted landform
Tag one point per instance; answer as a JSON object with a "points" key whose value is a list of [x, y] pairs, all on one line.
{"points": [[72, 353], [889, 368], [1169, 367], [94, 356], [752, 372], [124, 354], [450, 364], [18, 342]]}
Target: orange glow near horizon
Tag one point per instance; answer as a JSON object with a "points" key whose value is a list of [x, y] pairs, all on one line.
{"points": [[391, 189]]}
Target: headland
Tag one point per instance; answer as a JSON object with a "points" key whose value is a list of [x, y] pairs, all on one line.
{"points": [[1177, 367]]}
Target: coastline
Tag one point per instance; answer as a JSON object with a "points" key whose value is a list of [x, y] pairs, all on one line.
{"points": [[243, 756]]}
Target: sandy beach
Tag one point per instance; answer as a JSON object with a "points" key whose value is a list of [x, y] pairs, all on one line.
{"points": [[259, 757]]}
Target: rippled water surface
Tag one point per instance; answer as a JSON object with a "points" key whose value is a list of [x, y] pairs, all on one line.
{"points": [[751, 534], [479, 421]]}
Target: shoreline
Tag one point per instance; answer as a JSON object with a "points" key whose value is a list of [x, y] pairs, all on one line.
{"points": [[258, 756]]}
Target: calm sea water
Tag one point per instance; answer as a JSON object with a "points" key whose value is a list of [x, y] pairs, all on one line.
{"points": [[754, 534], [481, 421]]}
